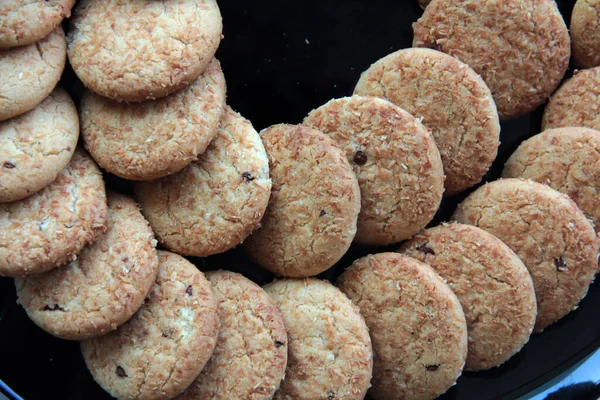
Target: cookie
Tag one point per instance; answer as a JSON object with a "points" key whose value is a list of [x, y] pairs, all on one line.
{"points": [[329, 348], [417, 325], [165, 345], [139, 50], [251, 354], [395, 160], [104, 286], [566, 159], [547, 231], [214, 203], [49, 228], [25, 22], [30, 73], [311, 218], [35, 147], [520, 48], [585, 33], [450, 99], [149, 140], [575, 103], [491, 283]]}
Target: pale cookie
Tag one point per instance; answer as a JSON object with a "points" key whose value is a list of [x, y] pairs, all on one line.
{"points": [[214, 203], [251, 354], [491, 283], [416, 323], [329, 348], [49, 228], [165, 345], [35, 147], [311, 218], [395, 160], [547, 231], [149, 140], [30, 73], [585, 33], [520, 48], [450, 99], [104, 286], [25, 22], [135, 50]]}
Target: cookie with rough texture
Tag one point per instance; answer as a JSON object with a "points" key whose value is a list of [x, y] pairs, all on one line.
{"points": [[165, 345], [566, 159], [35, 147], [104, 286], [214, 203], [251, 354], [520, 48], [553, 238], [329, 348], [138, 50], [450, 99], [416, 323], [149, 140], [25, 22], [30, 73], [50, 227], [585, 33], [491, 283], [395, 160], [311, 218]]}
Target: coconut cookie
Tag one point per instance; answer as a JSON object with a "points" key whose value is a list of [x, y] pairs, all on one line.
{"points": [[520, 48], [491, 283], [329, 348], [395, 160], [251, 354], [35, 147], [30, 73], [547, 231], [139, 50], [585, 33], [165, 345], [49, 228], [149, 140], [416, 323], [453, 102], [311, 218], [25, 22]]}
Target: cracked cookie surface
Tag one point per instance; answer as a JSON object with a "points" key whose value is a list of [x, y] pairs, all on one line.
{"points": [[585, 33]]}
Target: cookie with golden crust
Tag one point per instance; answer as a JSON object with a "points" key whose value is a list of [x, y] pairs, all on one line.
{"points": [[329, 348], [136, 50], [50, 227], [165, 345], [416, 323], [544, 227], [585, 33], [311, 218]]}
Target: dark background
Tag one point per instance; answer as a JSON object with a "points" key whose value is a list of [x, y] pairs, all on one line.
{"points": [[281, 60]]}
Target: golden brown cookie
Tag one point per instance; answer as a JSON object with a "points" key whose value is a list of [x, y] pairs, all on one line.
{"points": [[585, 33]]}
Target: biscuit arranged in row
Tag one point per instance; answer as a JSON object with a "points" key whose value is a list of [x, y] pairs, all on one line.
{"points": [[585, 33]]}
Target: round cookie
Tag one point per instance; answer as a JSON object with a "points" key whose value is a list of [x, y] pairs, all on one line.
{"points": [[30, 73], [329, 348], [567, 160], [311, 218], [140, 50], [25, 21], [547, 231], [396, 162], [491, 283], [450, 99], [214, 203], [149, 140], [585, 33], [104, 286], [251, 354], [520, 48], [165, 345], [49, 228], [35, 147], [416, 323]]}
